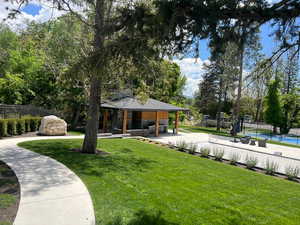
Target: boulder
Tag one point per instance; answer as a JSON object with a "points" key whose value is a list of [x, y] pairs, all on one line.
{"points": [[52, 126]]}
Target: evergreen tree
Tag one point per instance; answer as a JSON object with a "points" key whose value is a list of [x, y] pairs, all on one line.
{"points": [[273, 113], [290, 92]]}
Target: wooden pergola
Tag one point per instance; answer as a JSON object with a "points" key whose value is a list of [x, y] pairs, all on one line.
{"points": [[156, 109]]}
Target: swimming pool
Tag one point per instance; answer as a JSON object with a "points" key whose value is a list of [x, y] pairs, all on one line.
{"points": [[283, 138]]}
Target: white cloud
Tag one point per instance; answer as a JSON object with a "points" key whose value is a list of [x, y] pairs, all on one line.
{"points": [[46, 13], [193, 69]]}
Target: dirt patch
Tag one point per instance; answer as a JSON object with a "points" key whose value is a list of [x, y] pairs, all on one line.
{"points": [[9, 195]]}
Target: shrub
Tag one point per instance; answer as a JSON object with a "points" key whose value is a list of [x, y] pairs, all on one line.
{"points": [[292, 172], [204, 152], [192, 148], [21, 129], [181, 145], [234, 158], [251, 162], [12, 126], [35, 123], [3, 128], [271, 167], [27, 124], [218, 153]]}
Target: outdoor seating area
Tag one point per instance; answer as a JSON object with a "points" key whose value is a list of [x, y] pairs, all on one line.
{"points": [[251, 141], [127, 114]]}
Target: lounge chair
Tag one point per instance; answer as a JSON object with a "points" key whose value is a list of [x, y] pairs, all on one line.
{"points": [[262, 143], [245, 140], [252, 142]]}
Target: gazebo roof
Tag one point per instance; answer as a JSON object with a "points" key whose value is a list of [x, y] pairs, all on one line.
{"points": [[133, 104]]}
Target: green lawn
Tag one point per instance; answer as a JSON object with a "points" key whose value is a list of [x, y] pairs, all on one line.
{"points": [[8, 195], [75, 133], [143, 184], [206, 130]]}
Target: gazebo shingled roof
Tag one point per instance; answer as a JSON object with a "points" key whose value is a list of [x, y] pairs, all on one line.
{"points": [[133, 104]]}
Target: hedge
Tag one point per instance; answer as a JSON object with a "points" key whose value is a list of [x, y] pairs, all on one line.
{"points": [[27, 124], [10, 127], [35, 123], [3, 128], [21, 126]]}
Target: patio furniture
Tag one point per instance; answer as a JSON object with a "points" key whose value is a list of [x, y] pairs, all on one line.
{"points": [[252, 142], [235, 140], [245, 140], [262, 143]]}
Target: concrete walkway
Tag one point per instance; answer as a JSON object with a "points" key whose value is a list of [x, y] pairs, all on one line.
{"points": [[290, 156], [51, 194]]}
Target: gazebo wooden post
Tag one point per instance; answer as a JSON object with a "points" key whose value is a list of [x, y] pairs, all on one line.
{"points": [[176, 121], [105, 118], [125, 114], [157, 124]]}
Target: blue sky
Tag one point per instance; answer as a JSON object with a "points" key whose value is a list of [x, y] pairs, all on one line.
{"points": [[190, 67], [32, 9], [267, 42]]}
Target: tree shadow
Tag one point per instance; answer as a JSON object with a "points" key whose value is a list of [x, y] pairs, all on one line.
{"points": [[47, 173], [143, 218]]}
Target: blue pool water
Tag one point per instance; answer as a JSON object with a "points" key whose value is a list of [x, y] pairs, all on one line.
{"points": [[286, 139]]}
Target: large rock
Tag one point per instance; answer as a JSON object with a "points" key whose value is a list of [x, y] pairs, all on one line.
{"points": [[52, 126]]}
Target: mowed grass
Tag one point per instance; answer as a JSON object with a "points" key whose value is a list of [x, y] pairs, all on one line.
{"points": [[9, 195], [143, 184]]}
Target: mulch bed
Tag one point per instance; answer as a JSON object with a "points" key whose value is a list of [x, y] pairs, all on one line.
{"points": [[9, 185]]}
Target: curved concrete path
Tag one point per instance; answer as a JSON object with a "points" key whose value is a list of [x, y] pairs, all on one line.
{"points": [[51, 194]]}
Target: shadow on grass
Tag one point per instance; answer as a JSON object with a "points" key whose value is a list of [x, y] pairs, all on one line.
{"points": [[142, 218], [124, 160]]}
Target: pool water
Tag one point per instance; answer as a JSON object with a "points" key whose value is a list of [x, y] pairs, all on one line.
{"points": [[285, 139]]}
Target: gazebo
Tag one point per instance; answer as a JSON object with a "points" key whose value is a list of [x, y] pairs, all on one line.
{"points": [[130, 115]]}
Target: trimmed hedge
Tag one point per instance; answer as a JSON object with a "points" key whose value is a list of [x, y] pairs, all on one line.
{"points": [[21, 126], [10, 127], [35, 123], [3, 128], [27, 124]]}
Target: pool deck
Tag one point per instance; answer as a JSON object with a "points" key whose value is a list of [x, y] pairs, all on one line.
{"points": [[290, 156], [284, 138]]}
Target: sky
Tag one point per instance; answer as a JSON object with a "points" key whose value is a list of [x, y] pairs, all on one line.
{"points": [[192, 68]]}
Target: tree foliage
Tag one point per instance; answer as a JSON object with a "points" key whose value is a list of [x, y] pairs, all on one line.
{"points": [[273, 113]]}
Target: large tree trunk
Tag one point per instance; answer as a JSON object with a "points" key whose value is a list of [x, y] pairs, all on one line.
{"points": [[91, 131], [240, 82], [76, 116], [219, 106], [274, 130], [258, 107], [237, 108]]}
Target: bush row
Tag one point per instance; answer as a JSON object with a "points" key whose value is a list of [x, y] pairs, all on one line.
{"points": [[271, 167], [10, 127]]}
